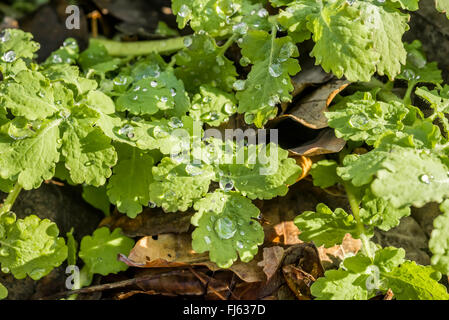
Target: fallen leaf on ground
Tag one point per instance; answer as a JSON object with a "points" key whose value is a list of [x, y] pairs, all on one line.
{"points": [[272, 259], [333, 256]]}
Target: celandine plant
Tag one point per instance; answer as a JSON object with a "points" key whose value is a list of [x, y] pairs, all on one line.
{"points": [[128, 126]]}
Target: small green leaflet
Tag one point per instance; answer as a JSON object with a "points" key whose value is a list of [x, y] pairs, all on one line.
{"points": [[325, 227], [259, 172], [67, 54], [439, 102], [30, 246], [361, 117], [380, 213], [177, 185], [352, 40], [403, 176], [410, 281], [417, 69], [210, 16], [3, 292], [202, 62], [152, 94], [442, 6], [363, 277], [324, 173], [129, 186], [99, 251], [226, 226], [439, 240], [269, 81], [212, 106], [31, 95]]}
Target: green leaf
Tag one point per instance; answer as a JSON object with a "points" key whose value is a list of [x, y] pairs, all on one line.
{"points": [[29, 94], [88, 153], [404, 176], [96, 60], [296, 16], [361, 117], [169, 189], [410, 281], [15, 45], [203, 63], [226, 226], [99, 251], [152, 94], [30, 246], [269, 81], [380, 213], [32, 159], [324, 173], [3, 292], [71, 77], [97, 197], [340, 285], [211, 16], [442, 6], [439, 240], [129, 186], [67, 54], [325, 227], [259, 171], [417, 69], [352, 40], [212, 106]]}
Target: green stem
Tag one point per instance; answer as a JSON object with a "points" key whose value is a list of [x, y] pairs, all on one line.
{"points": [[354, 203], [227, 44], [9, 202], [408, 93], [140, 48]]}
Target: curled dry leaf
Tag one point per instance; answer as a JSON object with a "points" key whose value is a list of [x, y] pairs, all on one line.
{"points": [[311, 76], [326, 142], [298, 281], [175, 250], [306, 165], [285, 233], [309, 111]]}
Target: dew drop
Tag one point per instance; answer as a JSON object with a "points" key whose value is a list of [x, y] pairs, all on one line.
{"points": [[194, 169], [425, 178], [173, 92], [230, 108], [188, 41], [275, 70], [207, 240], [226, 184], [9, 56], [184, 11], [151, 205], [358, 121], [239, 85], [153, 84], [262, 13], [241, 28], [225, 228], [175, 123], [240, 244]]}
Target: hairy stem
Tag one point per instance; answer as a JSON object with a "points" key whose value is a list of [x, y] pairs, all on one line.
{"points": [[139, 48], [354, 203], [408, 93], [9, 201]]}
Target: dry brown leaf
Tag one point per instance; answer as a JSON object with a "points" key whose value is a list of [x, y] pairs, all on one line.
{"points": [[175, 250], [272, 259], [325, 143], [285, 233], [298, 281], [309, 111], [306, 165], [332, 257]]}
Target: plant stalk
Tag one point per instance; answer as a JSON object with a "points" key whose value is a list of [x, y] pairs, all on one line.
{"points": [[140, 48], [9, 201], [354, 203]]}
